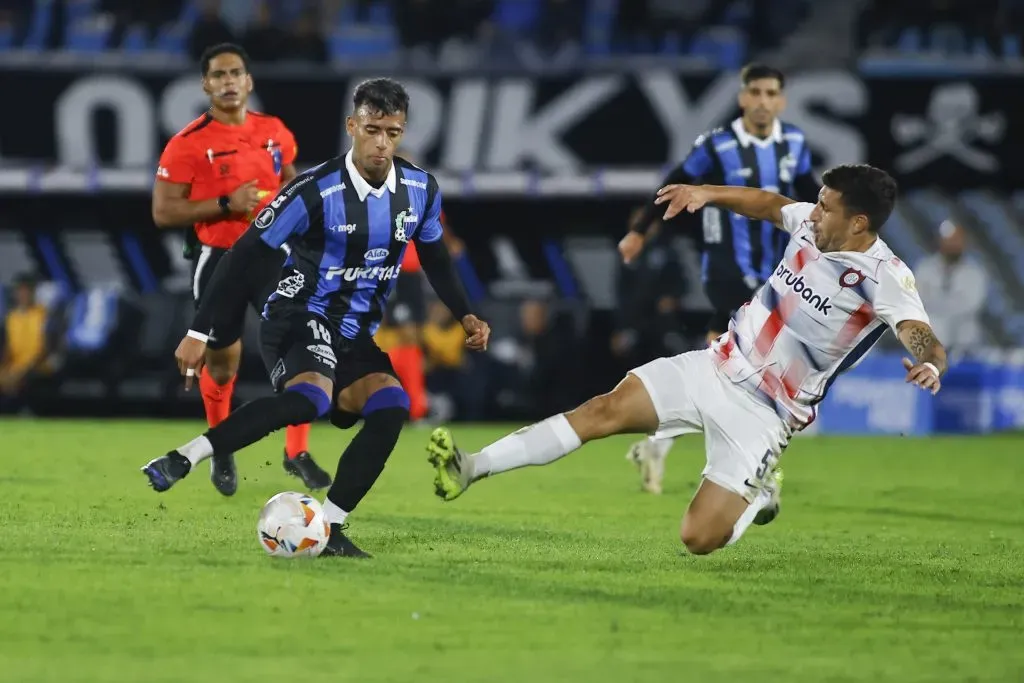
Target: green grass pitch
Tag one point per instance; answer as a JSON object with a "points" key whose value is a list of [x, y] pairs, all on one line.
{"points": [[893, 560]]}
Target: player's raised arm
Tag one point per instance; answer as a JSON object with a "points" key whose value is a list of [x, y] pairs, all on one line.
{"points": [[253, 254], [697, 164], [898, 303], [929, 355], [437, 265], [746, 201]]}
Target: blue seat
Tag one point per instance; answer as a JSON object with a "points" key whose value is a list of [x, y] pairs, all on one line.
{"points": [[6, 37], [136, 39], [517, 16], [92, 320], [1011, 47], [380, 14], [360, 42], [172, 38], [909, 41], [39, 25], [88, 35]]}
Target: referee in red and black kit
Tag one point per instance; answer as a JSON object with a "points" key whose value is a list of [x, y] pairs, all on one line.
{"points": [[216, 175]]}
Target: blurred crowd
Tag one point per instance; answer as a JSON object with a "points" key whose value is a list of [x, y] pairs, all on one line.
{"points": [[322, 30], [951, 27], [722, 31]]}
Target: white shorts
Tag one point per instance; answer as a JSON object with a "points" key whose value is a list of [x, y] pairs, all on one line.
{"points": [[743, 439]]}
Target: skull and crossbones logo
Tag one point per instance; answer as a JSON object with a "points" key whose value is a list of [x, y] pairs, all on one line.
{"points": [[953, 123]]}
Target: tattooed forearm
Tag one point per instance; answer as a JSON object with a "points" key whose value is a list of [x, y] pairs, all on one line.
{"points": [[919, 339]]}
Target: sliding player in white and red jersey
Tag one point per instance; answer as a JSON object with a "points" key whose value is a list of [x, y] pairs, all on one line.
{"points": [[836, 291]]}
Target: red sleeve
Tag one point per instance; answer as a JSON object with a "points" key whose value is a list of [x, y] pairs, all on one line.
{"points": [[411, 259], [177, 163], [289, 147]]}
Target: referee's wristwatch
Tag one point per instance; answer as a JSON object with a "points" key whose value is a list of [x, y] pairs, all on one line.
{"points": [[224, 202]]}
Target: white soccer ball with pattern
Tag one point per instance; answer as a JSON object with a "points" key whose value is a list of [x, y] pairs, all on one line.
{"points": [[292, 525]]}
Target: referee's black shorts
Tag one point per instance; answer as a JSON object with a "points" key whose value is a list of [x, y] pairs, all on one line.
{"points": [[726, 297], [229, 330]]}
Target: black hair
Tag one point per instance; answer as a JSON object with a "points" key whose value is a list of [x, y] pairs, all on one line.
{"points": [[756, 71], [223, 49], [865, 190], [382, 95]]}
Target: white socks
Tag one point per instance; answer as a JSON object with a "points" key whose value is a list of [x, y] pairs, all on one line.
{"points": [[333, 514], [539, 444], [197, 450], [662, 445], [747, 518]]}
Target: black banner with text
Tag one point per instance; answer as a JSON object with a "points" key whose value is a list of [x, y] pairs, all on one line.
{"points": [[954, 134]]}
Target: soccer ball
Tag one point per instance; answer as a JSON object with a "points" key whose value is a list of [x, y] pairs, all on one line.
{"points": [[292, 525]]}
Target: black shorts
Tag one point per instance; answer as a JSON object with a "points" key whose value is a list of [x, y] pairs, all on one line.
{"points": [[408, 303], [296, 342], [228, 331], [726, 297]]}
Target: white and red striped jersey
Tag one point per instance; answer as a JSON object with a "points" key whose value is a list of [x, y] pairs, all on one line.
{"points": [[815, 318]]}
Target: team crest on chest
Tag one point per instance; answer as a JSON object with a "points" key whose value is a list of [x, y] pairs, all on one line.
{"points": [[787, 168], [405, 222], [851, 277]]}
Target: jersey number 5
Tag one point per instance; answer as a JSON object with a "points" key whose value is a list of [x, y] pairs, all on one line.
{"points": [[320, 333]]}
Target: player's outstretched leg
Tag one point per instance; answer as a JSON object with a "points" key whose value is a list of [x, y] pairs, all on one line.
{"points": [[649, 457], [718, 517], [299, 462], [384, 407], [305, 397], [624, 410]]}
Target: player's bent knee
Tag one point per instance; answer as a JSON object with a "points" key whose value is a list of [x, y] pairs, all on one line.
{"points": [[387, 411], [343, 419], [353, 398], [701, 542], [702, 538], [318, 398], [388, 404]]}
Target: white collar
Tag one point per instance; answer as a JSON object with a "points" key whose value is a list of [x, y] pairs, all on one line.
{"points": [[363, 188], [746, 139]]}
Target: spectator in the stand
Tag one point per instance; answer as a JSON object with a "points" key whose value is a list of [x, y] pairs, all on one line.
{"points": [[561, 27], [14, 16], [953, 287], [210, 29], [24, 356], [449, 370], [419, 24], [427, 24], [306, 42], [150, 15], [536, 369], [950, 26], [650, 290], [264, 39]]}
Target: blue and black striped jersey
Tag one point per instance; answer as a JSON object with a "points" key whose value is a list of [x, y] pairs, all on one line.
{"points": [[736, 247], [346, 239]]}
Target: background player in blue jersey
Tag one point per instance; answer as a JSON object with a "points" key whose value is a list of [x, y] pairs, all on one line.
{"points": [[347, 223], [737, 254]]}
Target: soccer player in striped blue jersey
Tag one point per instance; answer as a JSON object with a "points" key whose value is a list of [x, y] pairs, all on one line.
{"points": [[738, 253], [347, 224]]}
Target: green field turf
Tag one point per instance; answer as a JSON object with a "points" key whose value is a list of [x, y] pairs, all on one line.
{"points": [[893, 560]]}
